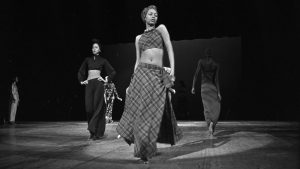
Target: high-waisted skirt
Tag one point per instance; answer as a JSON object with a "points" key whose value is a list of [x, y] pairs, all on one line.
{"points": [[148, 115]]}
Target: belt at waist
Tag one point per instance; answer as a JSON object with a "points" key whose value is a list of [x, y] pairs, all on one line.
{"points": [[150, 66]]}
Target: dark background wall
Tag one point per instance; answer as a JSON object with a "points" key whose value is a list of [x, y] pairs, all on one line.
{"points": [[44, 43], [226, 51]]}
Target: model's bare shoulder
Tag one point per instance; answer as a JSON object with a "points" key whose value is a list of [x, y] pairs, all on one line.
{"points": [[137, 38], [162, 28]]}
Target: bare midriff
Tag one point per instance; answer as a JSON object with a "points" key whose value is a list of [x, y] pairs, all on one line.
{"points": [[92, 74], [152, 56]]}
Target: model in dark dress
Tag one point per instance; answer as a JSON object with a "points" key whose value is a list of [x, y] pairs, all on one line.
{"points": [[210, 91]]}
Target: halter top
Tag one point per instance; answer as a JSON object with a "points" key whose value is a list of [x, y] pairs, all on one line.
{"points": [[150, 39]]}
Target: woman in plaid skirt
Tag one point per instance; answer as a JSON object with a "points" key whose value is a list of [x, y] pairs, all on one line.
{"points": [[148, 115]]}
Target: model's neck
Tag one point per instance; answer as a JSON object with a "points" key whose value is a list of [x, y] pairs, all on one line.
{"points": [[149, 27]]}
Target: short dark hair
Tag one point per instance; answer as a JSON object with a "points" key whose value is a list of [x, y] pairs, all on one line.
{"points": [[145, 10], [208, 52], [97, 41]]}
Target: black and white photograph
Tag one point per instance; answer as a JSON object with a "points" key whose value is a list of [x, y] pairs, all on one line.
{"points": [[149, 84]]}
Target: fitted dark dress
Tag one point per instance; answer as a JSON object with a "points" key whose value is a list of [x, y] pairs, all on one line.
{"points": [[94, 93]]}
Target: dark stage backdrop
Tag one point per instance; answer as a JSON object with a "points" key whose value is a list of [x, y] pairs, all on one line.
{"points": [[51, 91], [226, 51], [45, 42], [251, 88]]}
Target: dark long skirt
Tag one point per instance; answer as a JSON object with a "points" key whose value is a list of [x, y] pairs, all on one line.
{"points": [[147, 112], [94, 104], [211, 103]]}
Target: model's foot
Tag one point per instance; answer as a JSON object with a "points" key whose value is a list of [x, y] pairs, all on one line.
{"points": [[157, 154], [98, 137], [145, 160], [11, 123], [119, 136], [91, 136]]}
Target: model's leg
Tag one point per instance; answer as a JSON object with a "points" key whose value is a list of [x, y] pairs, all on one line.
{"points": [[99, 115], [89, 106]]}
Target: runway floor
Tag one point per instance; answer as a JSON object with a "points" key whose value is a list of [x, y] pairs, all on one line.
{"points": [[236, 145]]}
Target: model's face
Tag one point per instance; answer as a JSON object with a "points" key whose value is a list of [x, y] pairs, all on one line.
{"points": [[95, 48], [151, 17], [208, 52]]}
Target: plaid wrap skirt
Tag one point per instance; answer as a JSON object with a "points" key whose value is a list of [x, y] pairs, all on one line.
{"points": [[148, 115]]}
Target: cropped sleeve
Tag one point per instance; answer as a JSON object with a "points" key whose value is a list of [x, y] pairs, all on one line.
{"points": [[109, 70], [82, 71]]}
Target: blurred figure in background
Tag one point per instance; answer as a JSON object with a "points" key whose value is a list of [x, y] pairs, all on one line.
{"points": [[110, 94], [210, 90], [14, 101]]}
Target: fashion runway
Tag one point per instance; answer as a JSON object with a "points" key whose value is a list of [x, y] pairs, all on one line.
{"points": [[236, 145]]}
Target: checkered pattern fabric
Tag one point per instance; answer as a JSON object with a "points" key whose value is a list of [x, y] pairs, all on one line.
{"points": [[144, 107], [150, 39]]}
